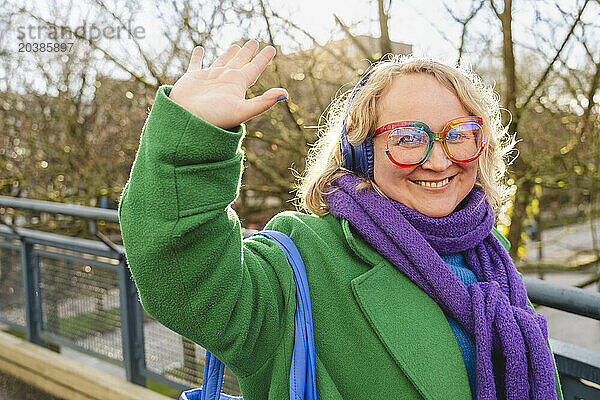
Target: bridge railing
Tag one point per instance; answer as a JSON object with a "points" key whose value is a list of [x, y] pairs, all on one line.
{"points": [[79, 293]]}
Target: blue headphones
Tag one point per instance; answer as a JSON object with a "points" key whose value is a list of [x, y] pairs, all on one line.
{"points": [[357, 158]]}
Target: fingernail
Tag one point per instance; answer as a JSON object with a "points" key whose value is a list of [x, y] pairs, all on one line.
{"points": [[282, 97]]}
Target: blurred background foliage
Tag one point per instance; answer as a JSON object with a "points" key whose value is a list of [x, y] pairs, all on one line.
{"points": [[70, 121]]}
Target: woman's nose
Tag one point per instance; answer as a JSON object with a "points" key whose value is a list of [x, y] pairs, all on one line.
{"points": [[438, 159]]}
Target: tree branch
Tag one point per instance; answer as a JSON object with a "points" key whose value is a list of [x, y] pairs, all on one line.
{"points": [[149, 64], [464, 22], [498, 14], [93, 44], [556, 56], [385, 44], [326, 49], [366, 53]]}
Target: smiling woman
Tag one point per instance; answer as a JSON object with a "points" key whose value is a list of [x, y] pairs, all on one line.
{"points": [[413, 293], [419, 96]]}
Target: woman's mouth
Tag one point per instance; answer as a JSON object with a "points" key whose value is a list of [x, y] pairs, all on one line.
{"points": [[434, 184]]}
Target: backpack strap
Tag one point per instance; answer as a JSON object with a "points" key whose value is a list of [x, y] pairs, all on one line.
{"points": [[303, 382]]}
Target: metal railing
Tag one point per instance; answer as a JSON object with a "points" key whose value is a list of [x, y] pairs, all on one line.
{"points": [[79, 293]]}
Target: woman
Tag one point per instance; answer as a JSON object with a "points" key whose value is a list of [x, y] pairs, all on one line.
{"points": [[413, 295]]}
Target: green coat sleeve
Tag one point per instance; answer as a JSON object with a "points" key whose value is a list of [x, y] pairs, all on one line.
{"points": [[184, 245]]}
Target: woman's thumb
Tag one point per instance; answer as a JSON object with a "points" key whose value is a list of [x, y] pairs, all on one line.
{"points": [[260, 104]]}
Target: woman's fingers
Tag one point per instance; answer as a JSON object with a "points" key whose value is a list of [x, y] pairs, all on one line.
{"points": [[258, 105], [196, 58], [224, 58], [224, 85], [244, 55], [254, 68]]}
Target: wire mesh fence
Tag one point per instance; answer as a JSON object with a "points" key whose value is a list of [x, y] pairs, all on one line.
{"points": [[179, 359], [11, 284], [80, 303], [80, 299]]}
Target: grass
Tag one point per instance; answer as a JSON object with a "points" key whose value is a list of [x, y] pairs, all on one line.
{"points": [[87, 324], [163, 389], [21, 334], [91, 323], [564, 220], [16, 332]]}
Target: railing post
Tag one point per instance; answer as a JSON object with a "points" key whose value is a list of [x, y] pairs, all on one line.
{"points": [[33, 299], [575, 363], [132, 324]]}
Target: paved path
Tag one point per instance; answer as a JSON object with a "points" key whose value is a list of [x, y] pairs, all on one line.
{"points": [[563, 244], [566, 243], [567, 327]]}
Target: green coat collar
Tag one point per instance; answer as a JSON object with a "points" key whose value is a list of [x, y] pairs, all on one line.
{"points": [[411, 326]]}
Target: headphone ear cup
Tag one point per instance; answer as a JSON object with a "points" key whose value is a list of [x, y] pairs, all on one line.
{"points": [[358, 159], [363, 158], [346, 151], [369, 158]]}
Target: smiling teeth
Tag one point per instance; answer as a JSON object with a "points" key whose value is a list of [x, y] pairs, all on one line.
{"points": [[433, 184]]}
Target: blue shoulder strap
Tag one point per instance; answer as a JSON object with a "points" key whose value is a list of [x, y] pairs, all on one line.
{"points": [[212, 380], [303, 382]]}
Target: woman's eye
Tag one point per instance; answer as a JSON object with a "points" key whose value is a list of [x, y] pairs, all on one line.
{"points": [[408, 138], [455, 136], [463, 132]]}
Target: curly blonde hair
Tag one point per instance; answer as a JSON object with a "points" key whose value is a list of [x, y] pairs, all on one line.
{"points": [[324, 160]]}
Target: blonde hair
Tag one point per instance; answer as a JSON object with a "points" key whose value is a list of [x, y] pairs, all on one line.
{"points": [[324, 160]]}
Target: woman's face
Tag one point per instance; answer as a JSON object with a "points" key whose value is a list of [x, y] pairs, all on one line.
{"points": [[420, 97]]}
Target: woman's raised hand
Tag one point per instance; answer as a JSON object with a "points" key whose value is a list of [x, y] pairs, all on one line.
{"points": [[217, 93]]}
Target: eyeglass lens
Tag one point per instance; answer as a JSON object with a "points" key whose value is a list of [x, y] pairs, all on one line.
{"points": [[409, 145]]}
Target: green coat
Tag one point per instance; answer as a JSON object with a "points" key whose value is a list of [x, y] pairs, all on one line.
{"points": [[377, 335]]}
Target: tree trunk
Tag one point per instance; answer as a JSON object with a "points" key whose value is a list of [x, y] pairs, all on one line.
{"points": [[522, 198], [385, 44], [519, 167]]}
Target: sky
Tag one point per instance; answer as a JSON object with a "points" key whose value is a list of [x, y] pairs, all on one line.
{"points": [[406, 25], [425, 24], [410, 21], [416, 22]]}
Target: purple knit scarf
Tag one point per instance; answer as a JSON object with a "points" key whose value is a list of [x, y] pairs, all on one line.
{"points": [[513, 360]]}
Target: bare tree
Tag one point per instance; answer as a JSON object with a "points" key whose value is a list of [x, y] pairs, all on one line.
{"points": [[475, 8], [521, 166], [384, 36]]}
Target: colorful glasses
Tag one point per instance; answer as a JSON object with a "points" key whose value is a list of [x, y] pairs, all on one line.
{"points": [[409, 143]]}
